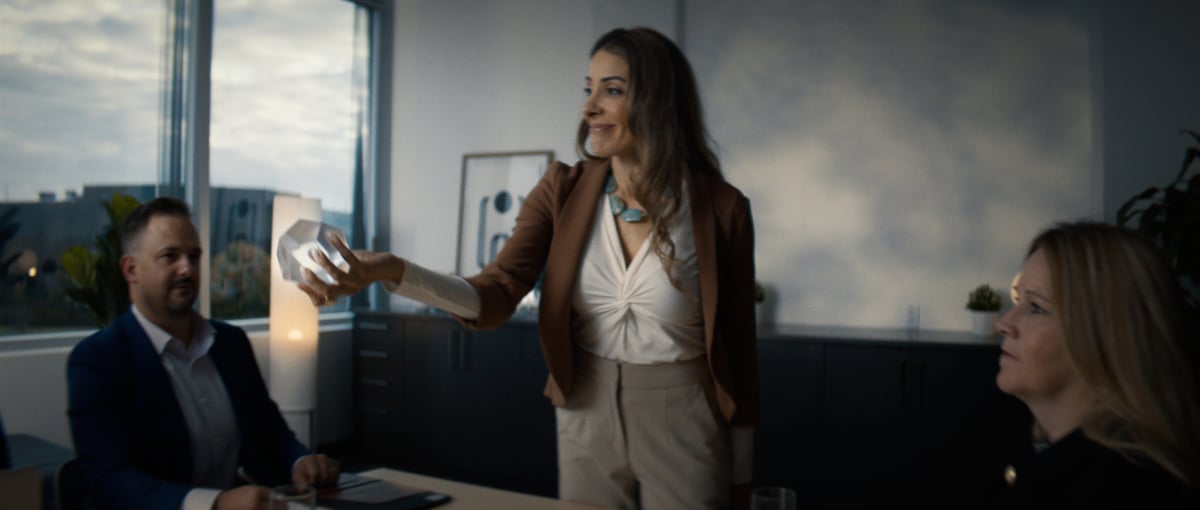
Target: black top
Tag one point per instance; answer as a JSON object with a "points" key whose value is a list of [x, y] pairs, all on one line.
{"points": [[1077, 472]]}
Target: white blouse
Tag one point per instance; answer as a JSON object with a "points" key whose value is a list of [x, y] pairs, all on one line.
{"points": [[628, 314], [631, 313]]}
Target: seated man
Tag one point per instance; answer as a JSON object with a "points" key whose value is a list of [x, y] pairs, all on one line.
{"points": [[168, 410]]}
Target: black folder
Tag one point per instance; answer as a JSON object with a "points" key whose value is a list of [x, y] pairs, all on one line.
{"points": [[354, 492]]}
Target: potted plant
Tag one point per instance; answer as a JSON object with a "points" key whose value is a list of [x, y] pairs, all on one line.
{"points": [[94, 278], [984, 303], [1170, 217]]}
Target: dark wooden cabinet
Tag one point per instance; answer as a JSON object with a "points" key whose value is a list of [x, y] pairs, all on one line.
{"points": [[539, 436], [966, 429], [379, 413], [865, 412], [884, 423], [788, 439], [435, 397], [847, 423]]}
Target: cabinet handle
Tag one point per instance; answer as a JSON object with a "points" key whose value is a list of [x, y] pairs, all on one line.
{"points": [[903, 380], [373, 326], [367, 353], [378, 383]]}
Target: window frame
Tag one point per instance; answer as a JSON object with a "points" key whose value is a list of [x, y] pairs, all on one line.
{"points": [[193, 168]]}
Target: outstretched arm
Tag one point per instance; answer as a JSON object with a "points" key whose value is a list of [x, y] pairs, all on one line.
{"points": [[447, 292], [361, 269]]}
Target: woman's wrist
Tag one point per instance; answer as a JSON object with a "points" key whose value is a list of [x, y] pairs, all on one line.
{"points": [[391, 270], [385, 268]]}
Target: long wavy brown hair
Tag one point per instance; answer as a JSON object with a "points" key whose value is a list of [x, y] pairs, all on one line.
{"points": [[667, 125], [1129, 336]]}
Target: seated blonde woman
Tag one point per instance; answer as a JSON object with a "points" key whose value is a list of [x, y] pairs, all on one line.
{"points": [[1097, 346]]}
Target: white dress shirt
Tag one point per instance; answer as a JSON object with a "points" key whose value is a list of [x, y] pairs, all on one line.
{"points": [[207, 410]]}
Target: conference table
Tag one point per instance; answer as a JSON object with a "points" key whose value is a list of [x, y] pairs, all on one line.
{"points": [[469, 496]]}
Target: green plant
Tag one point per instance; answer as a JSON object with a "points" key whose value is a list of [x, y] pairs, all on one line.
{"points": [[1170, 216], [983, 299], [94, 278], [760, 292]]}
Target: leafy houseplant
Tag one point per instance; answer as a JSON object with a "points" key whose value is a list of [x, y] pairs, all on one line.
{"points": [[94, 278], [983, 302], [983, 299], [1170, 217]]}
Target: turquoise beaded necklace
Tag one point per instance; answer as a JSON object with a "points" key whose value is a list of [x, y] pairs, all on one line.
{"points": [[617, 204]]}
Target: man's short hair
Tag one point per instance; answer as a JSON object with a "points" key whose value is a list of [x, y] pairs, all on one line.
{"points": [[135, 224]]}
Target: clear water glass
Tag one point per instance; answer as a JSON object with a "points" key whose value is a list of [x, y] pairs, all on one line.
{"points": [[293, 497], [773, 498]]}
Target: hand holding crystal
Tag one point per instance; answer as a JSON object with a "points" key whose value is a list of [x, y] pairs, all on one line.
{"points": [[360, 269]]}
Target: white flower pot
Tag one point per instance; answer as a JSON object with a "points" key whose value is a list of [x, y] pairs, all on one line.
{"points": [[983, 323]]}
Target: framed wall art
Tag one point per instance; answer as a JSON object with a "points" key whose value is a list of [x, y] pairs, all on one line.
{"points": [[494, 185]]}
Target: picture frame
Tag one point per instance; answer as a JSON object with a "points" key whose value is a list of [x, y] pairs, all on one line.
{"points": [[494, 185]]}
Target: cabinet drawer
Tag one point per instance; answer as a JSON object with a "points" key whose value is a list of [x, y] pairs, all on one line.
{"points": [[378, 334], [377, 397], [376, 363], [388, 342]]}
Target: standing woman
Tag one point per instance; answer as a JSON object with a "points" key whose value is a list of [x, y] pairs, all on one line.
{"points": [[647, 309], [1097, 346]]}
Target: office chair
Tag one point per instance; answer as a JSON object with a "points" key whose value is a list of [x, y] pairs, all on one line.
{"points": [[68, 486], [5, 458]]}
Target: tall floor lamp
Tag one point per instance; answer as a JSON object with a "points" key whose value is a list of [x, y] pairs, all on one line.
{"points": [[293, 345]]}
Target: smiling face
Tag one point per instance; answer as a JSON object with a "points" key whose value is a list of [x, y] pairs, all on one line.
{"points": [[606, 107], [163, 268], [1034, 364]]}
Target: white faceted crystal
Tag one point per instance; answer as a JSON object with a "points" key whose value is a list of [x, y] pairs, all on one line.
{"points": [[297, 244]]}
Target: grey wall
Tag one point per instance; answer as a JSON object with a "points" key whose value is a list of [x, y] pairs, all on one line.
{"points": [[485, 77], [897, 154], [33, 393], [1150, 90]]}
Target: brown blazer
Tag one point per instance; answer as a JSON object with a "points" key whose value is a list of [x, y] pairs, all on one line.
{"points": [[551, 230]]}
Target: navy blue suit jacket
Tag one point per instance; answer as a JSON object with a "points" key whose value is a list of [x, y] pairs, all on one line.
{"points": [[130, 435]]}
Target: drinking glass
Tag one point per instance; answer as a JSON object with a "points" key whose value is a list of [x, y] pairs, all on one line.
{"points": [[293, 497], [773, 498]]}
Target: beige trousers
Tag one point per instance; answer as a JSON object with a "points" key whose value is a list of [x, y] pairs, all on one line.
{"points": [[643, 437]]}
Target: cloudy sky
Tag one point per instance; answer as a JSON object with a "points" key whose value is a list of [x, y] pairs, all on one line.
{"points": [[81, 88]]}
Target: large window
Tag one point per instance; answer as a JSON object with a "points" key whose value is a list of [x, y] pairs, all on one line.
{"points": [[80, 86], [287, 87], [93, 102]]}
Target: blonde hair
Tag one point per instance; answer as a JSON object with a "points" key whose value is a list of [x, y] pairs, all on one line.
{"points": [[1123, 317]]}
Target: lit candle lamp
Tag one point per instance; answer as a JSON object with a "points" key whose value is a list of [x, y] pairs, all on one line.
{"points": [[294, 327]]}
